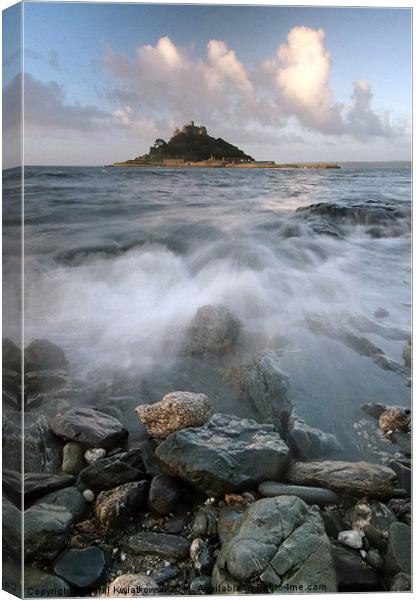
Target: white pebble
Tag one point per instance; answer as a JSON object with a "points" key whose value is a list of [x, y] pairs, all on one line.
{"points": [[93, 454], [88, 495], [122, 556], [363, 553], [352, 538]]}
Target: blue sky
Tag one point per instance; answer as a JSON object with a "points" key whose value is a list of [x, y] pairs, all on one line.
{"points": [[284, 83]]}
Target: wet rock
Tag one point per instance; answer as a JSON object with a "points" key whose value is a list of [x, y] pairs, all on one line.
{"points": [[401, 583], [398, 554], [311, 495], [114, 507], [93, 454], [81, 568], [165, 573], [72, 458], [230, 518], [267, 386], [201, 585], [89, 427], [176, 411], [307, 442], [228, 454], [164, 494], [48, 522], [40, 484], [358, 478], [374, 559], [176, 524], [333, 522], [353, 573], [381, 313], [12, 356], [213, 330], [200, 556], [163, 544], [407, 353], [131, 584], [42, 354], [205, 522], [279, 541], [107, 473], [352, 538], [43, 584]]}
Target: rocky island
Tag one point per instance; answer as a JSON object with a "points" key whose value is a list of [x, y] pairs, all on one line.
{"points": [[191, 146]]}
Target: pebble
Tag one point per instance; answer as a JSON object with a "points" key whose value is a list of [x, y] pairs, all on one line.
{"points": [[352, 538], [88, 496], [93, 454]]}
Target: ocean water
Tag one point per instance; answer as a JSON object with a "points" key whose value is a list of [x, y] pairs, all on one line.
{"points": [[117, 261]]}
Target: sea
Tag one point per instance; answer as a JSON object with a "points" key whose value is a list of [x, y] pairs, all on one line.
{"points": [[316, 264]]}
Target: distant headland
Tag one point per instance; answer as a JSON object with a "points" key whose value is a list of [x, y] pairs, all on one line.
{"points": [[191, 146]]}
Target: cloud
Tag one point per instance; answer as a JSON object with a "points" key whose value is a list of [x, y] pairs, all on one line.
{"points": [[293, 84]]}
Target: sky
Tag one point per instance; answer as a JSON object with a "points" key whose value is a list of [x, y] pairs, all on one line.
{"points": [[102, 81]]}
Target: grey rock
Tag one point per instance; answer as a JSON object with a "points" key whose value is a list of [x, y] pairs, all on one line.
{"points": [[228, 454], [176, 411], [401, 583], [72, 458], [48, 522], [333, 522], [205, 522], [357, 478], [373, 409], [107, 473], [352, 538], [353, 573], [165, 573], [201, 585], [265, 383], [42, 354], [40, 484], [89, 427], [81, 568], [374, 559], [88, 495], [213, 329], [93, 454], [398, 554], [404, 474], [279, 541], [47, 380], [114, 507], [163, 544], [11, 531], [311, 495], [164, 494], [230, 518], [43, 584], [307, 442]]}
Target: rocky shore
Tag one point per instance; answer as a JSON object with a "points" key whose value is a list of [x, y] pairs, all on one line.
{"points": [[209, 502]]}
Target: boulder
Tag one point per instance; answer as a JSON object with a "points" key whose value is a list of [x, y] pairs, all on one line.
{"points": [[42, 354], [164, 494], [43, 584], [131, 584], [307, 443], [279, 542], [176, 411], [227, 454], [40, 484], [162, 544], [72, 458], [89, 427], [229, 520], [310, 495], [12, 357], [107, 473], [48, 522], [213, 330], [353, 573], [374, 559], [81, 568], [398, 553], [114, 507], [265, 383], [357, 478]]}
